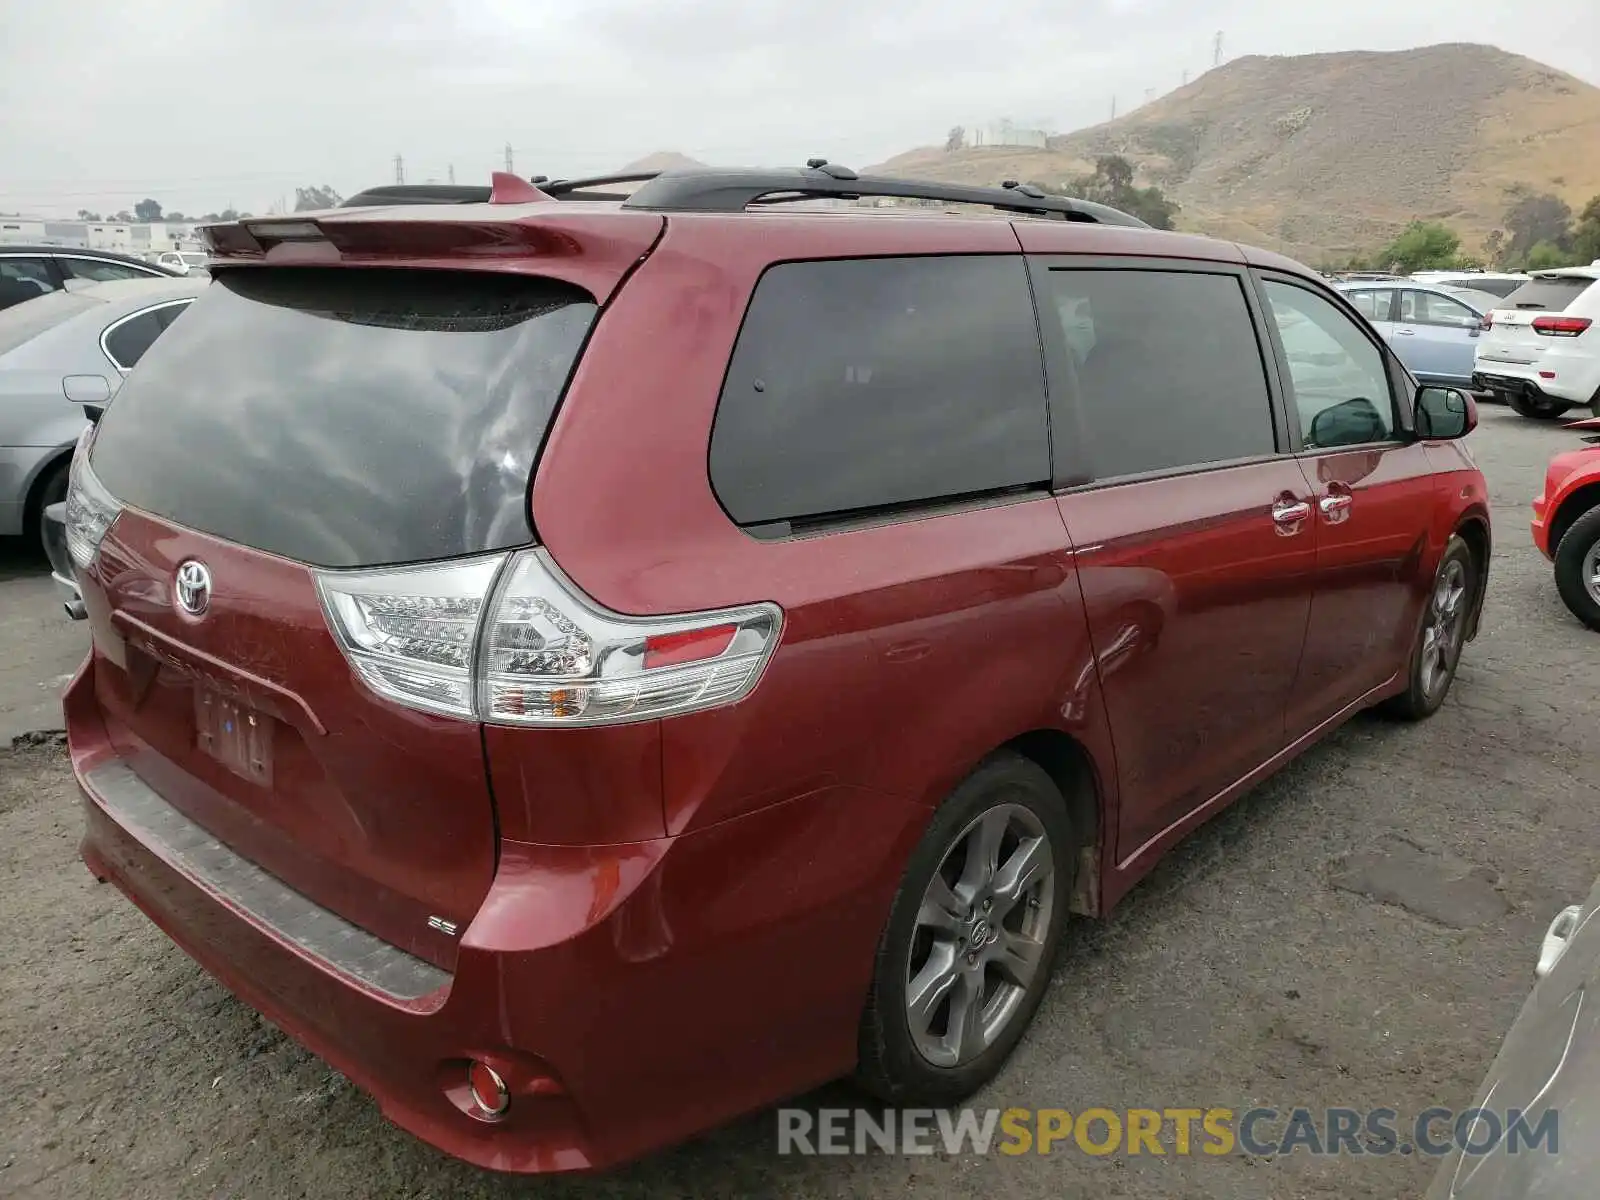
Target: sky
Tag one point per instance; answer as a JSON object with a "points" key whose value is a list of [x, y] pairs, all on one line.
{"points": [[207, 104]]}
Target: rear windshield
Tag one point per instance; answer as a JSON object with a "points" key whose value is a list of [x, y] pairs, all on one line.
{"points": [[23, 322], [348, 417], [1552, 292]]}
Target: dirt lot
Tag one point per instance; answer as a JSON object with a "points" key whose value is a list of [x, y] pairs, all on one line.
{"points": [[1253, 967]]}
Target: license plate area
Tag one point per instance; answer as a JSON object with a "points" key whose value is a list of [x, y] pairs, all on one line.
{"points": [[236, 735]]}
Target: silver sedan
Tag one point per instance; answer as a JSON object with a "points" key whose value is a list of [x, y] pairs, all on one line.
{"points": [[59, 352]]}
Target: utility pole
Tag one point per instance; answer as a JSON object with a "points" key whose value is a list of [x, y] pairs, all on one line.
{"points": [[1216, 50], [399, 169], [509, 170]]}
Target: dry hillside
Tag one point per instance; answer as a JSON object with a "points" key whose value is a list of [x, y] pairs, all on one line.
{"points": [[1324, 154]]}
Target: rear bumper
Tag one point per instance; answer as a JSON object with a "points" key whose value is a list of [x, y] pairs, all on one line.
{"points": [[1540, 526], [630, 996], [1572, 384]]}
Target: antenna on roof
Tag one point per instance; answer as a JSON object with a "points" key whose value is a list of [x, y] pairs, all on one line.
{"points": [[505, 188]]}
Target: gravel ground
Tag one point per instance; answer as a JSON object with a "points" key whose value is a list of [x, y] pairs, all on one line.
{"points": [[1290, 953]]}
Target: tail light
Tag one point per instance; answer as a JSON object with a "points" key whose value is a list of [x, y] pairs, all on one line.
{"points": [[1561, 326], [510, 640], [91, 509]]}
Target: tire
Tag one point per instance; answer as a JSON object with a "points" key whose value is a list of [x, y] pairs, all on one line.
{"points": [[51, 489], [1578, 568], [1537, 408], [945, 905], [1433, 666]]}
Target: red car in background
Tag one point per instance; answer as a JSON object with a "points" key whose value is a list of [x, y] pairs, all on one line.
{"points": [[1566, 523]]}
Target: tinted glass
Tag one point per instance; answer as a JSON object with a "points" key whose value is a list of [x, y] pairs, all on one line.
{"points": [[348, 417], [876, 382], [127, 343], [1168, 368], [1552, 293], [101, 271], [1374, 303], [1341, 389], [1499, 288], [24, 279]]}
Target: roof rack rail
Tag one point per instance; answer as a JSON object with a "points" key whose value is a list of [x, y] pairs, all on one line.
{"points": [[735, 190]]}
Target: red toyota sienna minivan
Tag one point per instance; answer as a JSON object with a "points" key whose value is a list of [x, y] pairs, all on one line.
{"points": [[589, 667]]}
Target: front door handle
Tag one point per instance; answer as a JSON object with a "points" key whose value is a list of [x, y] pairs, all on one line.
{"points": [[1336, 503], [1290, 512]]}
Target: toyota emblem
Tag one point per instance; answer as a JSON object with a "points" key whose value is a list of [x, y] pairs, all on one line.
{"points": [[193, 587]]}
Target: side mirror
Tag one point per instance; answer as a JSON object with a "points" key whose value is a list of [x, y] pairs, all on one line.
{"points": [[1444, 414]]}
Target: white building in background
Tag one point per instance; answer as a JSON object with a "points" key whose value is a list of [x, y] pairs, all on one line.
{"points": [[1005, 132], [139, 238]]}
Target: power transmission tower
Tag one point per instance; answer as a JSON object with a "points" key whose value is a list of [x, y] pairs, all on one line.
{"points": [[1216, 50], [452, 173], [509, 169], [1113, 108], [399, 169], [1186, 78], [1149, 95]]}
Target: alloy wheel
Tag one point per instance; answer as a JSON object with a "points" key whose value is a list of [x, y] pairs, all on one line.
{"points": [[1441, 637], [980, 932]]}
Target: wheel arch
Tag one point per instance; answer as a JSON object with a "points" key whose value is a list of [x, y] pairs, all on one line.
{"points": [[1071, 767], [34, 491], [1570, 507], [1473, 529]]}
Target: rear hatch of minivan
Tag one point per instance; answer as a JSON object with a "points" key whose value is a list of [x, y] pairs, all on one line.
{"points": [[305, 431], [1522, 327]]}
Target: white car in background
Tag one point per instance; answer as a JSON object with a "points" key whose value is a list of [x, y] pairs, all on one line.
{"points": [[182, 262], [1540, 350]]}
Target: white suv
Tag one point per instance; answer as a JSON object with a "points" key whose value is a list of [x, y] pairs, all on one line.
{"points": [[1541, 349]]}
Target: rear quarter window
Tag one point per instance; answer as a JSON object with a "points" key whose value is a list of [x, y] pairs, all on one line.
{"points": [[870, 384]]}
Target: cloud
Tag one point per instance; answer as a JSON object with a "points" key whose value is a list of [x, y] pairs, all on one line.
{"points": [[202, 104]]}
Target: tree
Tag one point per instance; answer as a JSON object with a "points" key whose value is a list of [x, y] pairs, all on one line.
{"points": [[955, 139], [147, 210], [1494, 246], [125, 217], [1424, 244], [1536, 217], [307, 199], [175, 215], [1586, 233], [85, 215], [1112, 184], [1547, 255]]}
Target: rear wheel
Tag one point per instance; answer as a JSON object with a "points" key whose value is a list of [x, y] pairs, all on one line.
{"points": [[51, 489], [1539, 408], [1437, 651], [966, 955], [1577, 560]]}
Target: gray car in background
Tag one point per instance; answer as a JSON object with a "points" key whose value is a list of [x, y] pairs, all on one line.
{"points": [[58, 352], [1548, 1070], [1433, 329]]}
